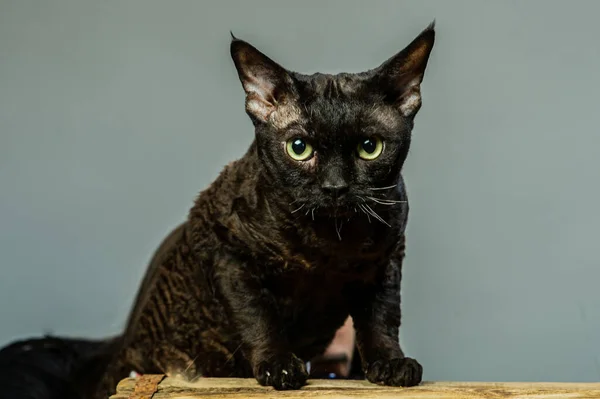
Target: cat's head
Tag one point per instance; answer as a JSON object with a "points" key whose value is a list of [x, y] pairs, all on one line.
{"points": [[329, 141]]}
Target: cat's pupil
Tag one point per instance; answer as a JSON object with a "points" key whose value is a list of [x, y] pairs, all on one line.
{"points": [[369, 146], [298, 146]]}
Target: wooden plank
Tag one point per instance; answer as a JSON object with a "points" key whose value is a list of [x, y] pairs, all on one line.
{"points": [[146, 386], [225, 388]]}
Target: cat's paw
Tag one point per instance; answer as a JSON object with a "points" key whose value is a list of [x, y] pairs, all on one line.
{"points": [[405, 372], [282, 372]]}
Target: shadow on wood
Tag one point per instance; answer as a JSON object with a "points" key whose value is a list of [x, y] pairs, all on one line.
{"points": [[158, 387]]}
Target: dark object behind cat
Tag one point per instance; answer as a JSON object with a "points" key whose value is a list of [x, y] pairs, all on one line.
{"points": [[302, 231], [53, 368]]}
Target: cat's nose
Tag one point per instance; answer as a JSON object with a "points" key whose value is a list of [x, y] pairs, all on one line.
{"points": [[336, 188], [333, 181]]}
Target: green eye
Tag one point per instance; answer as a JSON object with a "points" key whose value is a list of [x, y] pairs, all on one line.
{"points": [[370, 148], [299, 149]]}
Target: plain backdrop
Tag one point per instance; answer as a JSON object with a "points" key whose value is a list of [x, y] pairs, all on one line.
{"points": [[115, 114]]}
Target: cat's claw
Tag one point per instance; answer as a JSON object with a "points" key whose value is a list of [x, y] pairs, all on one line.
{"points": [[282, 373], [401, 372]]}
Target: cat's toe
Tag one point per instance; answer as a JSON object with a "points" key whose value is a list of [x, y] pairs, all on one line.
{"points": [[282, 373], [400, 372]]}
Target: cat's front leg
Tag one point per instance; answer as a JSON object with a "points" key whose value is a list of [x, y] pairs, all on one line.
{"points": [[376, 313], [263, 335]]}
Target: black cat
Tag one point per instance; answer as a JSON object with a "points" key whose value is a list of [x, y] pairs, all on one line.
{"points": [[302, 231]]}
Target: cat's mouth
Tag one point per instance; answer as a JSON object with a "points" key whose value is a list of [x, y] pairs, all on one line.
{"points": [[325, 209], [341, 212]]}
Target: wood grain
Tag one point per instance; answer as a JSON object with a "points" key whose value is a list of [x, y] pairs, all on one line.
{"points": [[224, 388]]}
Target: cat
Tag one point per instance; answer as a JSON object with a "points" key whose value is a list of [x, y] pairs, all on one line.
{"points": [[305, 229]]}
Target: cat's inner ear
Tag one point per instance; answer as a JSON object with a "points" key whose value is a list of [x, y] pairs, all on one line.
{"points": [[268, 86], [400, 77]]}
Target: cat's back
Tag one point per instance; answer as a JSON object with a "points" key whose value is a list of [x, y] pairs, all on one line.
{"points": [[174, 261], [153, 270]]}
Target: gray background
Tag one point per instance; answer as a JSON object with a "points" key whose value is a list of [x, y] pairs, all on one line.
{"points": [[114, 114]]}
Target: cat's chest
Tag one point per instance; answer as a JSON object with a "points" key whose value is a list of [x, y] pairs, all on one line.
{"points": [[342, 244], [311, 307], [313, 291]]}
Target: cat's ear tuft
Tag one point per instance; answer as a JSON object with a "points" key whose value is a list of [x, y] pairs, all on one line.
{"points": [[400, 77], [265, 82]]}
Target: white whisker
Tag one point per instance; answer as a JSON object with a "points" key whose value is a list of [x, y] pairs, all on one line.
{"points": [[383, 188], [386, 201], [361, 206], [376, 216], [296, 210], [338, 229]]}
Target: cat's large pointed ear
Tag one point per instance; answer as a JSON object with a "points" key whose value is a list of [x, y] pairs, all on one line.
{"points": [[267, 84], [400, 77]]}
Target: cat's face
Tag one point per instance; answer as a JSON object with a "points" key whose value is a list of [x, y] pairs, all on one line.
{"points": [[332, 141]]}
